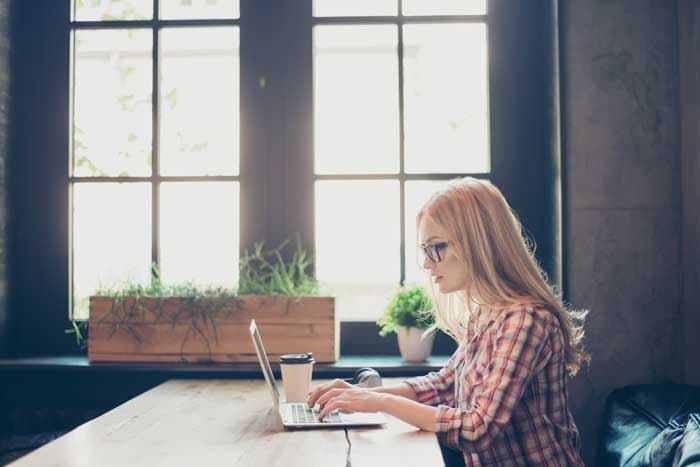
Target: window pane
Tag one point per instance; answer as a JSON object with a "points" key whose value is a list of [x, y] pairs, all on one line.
{"points": [[356, 106], [359, 301], [355, 8], [444, 7], [199, 233], [357, 249], [199, 9], [199, 101], [111, 238], [112, 103], [354, 244], [417, 194], [446, 98], [111, 10]]}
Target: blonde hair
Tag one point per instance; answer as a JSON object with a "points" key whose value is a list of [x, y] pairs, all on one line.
{"points": [[485, 234]]}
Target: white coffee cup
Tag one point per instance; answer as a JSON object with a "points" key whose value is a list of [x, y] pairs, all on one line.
{"points": [[297, 370]]}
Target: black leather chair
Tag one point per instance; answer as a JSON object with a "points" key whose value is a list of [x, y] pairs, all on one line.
{"points": [[451, 457], [651, 425]]}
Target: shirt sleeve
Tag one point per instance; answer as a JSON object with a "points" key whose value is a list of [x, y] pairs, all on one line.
{"points": [[438, 387], [519, 340]]}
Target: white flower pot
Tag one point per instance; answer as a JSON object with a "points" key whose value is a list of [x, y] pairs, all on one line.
{"points": [[412, 347]]}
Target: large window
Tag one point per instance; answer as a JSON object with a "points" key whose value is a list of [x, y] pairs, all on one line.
{"points": [[181, 132], [400, 105], [394, 114], [164, 192]]}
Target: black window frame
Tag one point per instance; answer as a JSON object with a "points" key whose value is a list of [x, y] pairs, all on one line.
{"points": [[276, 145], [155, 25]]}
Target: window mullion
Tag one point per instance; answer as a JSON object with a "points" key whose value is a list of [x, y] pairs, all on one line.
{"points": [[402, 178], [291, 99], [258, 109], [155, 151]]}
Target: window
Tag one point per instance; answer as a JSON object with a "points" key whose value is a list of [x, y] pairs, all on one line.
{"points": [[411, 116], [165, 192], [199, 127], [400, 105]]}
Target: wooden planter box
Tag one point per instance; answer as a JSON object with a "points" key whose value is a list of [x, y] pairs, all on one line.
{"points": [[206, 329]]}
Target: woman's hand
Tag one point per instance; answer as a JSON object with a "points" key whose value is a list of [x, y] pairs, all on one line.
{"points": [[319, 391], [350, 400], [399, 402]]}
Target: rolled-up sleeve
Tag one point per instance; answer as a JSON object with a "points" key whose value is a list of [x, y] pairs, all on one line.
{"points": [[519, 340], [437, 387]]}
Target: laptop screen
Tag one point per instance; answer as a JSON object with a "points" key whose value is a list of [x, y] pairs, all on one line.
{"points": [[264, 362]]}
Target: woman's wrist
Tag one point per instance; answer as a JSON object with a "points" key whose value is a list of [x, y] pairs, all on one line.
{"points": [[417, 414], [402, 390], [385, 402]]}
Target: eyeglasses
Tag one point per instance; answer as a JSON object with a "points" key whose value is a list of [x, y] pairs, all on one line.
{"points": [[432, 252]]}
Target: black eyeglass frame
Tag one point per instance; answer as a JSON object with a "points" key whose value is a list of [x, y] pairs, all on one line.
{"points": [[433, 250]]}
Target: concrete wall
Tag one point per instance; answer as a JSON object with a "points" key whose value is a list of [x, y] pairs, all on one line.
{"points": [[621, 130], [689, 15], [4, 118]]}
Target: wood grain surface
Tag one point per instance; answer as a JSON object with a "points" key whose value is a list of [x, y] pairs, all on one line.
{"points": [[226, 422], [206, 329]]}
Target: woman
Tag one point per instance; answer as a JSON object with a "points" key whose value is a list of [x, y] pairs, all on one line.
{"points": [[501, 399]]}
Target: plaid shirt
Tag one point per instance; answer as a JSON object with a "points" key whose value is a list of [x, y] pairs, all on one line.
{"points": [[502, 397]]}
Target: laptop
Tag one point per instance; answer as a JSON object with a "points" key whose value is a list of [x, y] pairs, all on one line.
{"points": [[299, 415]]}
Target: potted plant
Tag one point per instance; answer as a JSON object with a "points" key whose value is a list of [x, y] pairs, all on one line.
{"points": [[161, 323], [409, 315]]}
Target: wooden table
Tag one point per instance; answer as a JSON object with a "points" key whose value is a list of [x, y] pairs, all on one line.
{"points": [[226, 422]]}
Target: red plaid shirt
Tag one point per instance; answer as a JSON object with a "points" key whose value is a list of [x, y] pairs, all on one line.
{"points": [[502, 397]]}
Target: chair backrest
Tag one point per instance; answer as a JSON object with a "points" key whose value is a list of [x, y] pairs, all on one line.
{"points": [[644, 424]]}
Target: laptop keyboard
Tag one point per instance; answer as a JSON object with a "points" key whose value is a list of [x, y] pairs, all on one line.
{"points": [[301, 413]]}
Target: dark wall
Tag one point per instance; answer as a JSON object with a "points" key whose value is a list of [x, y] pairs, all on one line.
{"points": [[689, 14], [4, 119], [621, 131], [37, 189]]}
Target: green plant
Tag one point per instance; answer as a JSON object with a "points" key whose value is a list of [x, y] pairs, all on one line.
{"points": [[157, 289], [128, 304], [410, 307], [261, 273], [267, 273], [80, 329]]}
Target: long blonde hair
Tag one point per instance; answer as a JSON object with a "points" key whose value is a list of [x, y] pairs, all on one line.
{"points": [[485, 234]]}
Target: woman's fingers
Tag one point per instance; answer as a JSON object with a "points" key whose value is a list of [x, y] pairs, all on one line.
{"points": [[317, 393], [349, 400], [323, 400], [335, 404], [320, 390], [313, 395]]}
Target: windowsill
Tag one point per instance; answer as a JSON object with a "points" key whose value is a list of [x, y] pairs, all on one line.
{"points": [[386, 365]]}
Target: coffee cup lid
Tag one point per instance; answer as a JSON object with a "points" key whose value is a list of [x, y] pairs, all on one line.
{"points": [[297, 358]]}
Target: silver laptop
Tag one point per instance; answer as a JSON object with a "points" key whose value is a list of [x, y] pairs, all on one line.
{"points": [[299, 415]]}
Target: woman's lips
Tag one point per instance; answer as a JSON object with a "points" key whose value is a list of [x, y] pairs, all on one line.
{"points": [[437, 279]]}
